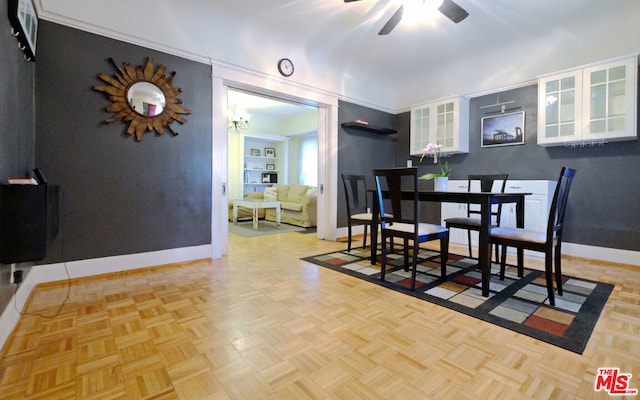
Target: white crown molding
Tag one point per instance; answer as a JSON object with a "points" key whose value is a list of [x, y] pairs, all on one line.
{"points": [[236, 75]]}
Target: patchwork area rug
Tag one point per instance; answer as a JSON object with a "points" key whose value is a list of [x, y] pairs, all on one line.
{"points": [[519, 304]]}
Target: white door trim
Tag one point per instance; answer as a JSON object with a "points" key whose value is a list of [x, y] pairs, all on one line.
{"points": [[222, 80]]}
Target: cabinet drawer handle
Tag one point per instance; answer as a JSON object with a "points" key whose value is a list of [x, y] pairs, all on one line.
{"points": [[515, 187]]}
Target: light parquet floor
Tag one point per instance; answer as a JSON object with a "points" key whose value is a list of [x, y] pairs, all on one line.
{"points": [[261, 324]]}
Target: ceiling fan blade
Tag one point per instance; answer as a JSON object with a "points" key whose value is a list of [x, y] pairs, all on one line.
{"points": [[349, 1], [453, 11], [392, 22]]}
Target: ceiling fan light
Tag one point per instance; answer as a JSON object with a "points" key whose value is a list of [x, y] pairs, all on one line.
{"points": [[420, 13]]}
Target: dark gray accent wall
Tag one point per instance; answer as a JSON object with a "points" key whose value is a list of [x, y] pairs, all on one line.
{"points": [[360, 152], [17, 121], [119, 196], [16, 105]]}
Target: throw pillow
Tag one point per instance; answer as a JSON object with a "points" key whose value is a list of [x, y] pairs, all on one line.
{"points": [[312, 191], [271, 193]]}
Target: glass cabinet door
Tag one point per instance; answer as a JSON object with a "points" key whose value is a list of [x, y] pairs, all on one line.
{"points": [[610, 100], [420, 129], [560, 100], [444, 122], [445, 126]]}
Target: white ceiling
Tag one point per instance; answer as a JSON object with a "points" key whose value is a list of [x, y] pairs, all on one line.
{"points": [[262, 105], [336, 49]]}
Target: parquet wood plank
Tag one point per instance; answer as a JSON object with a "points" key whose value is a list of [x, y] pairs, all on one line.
{"points": [[261, 324]]}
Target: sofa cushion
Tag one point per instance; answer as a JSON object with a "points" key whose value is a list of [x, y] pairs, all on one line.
{"points": [[271, 193], [288, 205], [283, 192], [255, 196], [297, 194]]}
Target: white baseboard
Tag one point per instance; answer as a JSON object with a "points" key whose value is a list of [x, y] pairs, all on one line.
{"points": [[569, 249], [82, 268], [602, 253]]}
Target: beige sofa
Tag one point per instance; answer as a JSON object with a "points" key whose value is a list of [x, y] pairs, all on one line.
{"points": [[298, 205]]}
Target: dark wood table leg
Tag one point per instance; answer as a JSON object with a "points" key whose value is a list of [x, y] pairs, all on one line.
{"points": [[520, 224], [375, 210], [484, 245]]}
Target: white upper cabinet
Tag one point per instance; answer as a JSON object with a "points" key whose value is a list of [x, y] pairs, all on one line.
{"points": [[560, 108], [589, 105], [444, 122], [610, 100]]}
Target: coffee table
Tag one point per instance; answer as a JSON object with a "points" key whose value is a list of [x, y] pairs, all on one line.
{"points": [[255, 205]]}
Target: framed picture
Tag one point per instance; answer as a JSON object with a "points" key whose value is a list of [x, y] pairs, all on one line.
{"points": [[503, 129], [255, 152], [24, 23], [271, 167], [269, 152], [269, 177]]}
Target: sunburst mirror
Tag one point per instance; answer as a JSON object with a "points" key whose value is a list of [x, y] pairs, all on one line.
{"points": [[144, 97]]}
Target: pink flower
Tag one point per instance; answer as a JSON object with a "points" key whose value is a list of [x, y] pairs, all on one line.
{"points": [[434, 149]]}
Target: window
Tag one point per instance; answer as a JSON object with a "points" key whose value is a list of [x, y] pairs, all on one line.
{"points": [[309, 161]]}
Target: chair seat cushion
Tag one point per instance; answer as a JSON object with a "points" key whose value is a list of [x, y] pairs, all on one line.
{"points": [[362, 217], [366, 216], [522, 235], [423, 228]]}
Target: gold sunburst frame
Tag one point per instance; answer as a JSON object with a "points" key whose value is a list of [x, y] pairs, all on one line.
{"points": [[116, 91]]}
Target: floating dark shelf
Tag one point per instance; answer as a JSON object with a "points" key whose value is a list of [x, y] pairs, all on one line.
{"points": [[369, 128]]}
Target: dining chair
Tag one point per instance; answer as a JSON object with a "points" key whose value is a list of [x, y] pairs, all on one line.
{"points": [[548, 242], [472, 221], [400, 219], [358, 212]]}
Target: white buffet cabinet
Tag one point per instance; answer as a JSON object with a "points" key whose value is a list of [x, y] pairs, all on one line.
{"points": [[536, 207]]}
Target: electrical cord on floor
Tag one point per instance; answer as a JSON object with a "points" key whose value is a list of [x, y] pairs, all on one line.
{"points": [[38, 314], [15, 295]]}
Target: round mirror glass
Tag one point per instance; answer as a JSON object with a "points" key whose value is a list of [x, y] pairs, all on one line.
{"points": [[146, 99]]}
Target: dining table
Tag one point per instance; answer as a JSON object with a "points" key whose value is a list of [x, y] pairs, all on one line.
{"points": [[484, 199]]}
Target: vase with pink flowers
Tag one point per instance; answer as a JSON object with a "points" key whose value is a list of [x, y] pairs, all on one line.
{"points": [[441, 178]]}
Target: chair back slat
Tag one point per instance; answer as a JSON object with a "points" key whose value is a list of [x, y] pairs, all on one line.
{"points": [[559, 204], [486, 185], [355, 188], [397, 209]]}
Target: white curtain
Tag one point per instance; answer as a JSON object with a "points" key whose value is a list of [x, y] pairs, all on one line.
{"points": [[309, 161]]}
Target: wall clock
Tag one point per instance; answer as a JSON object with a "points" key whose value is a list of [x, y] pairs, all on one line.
{"points": [[285, 66]]}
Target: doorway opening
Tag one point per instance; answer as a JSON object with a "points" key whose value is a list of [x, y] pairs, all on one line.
{"points": [[271, 141]]}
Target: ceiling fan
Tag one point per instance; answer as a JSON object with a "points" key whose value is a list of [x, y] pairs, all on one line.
{"points": [[449, 8]]}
